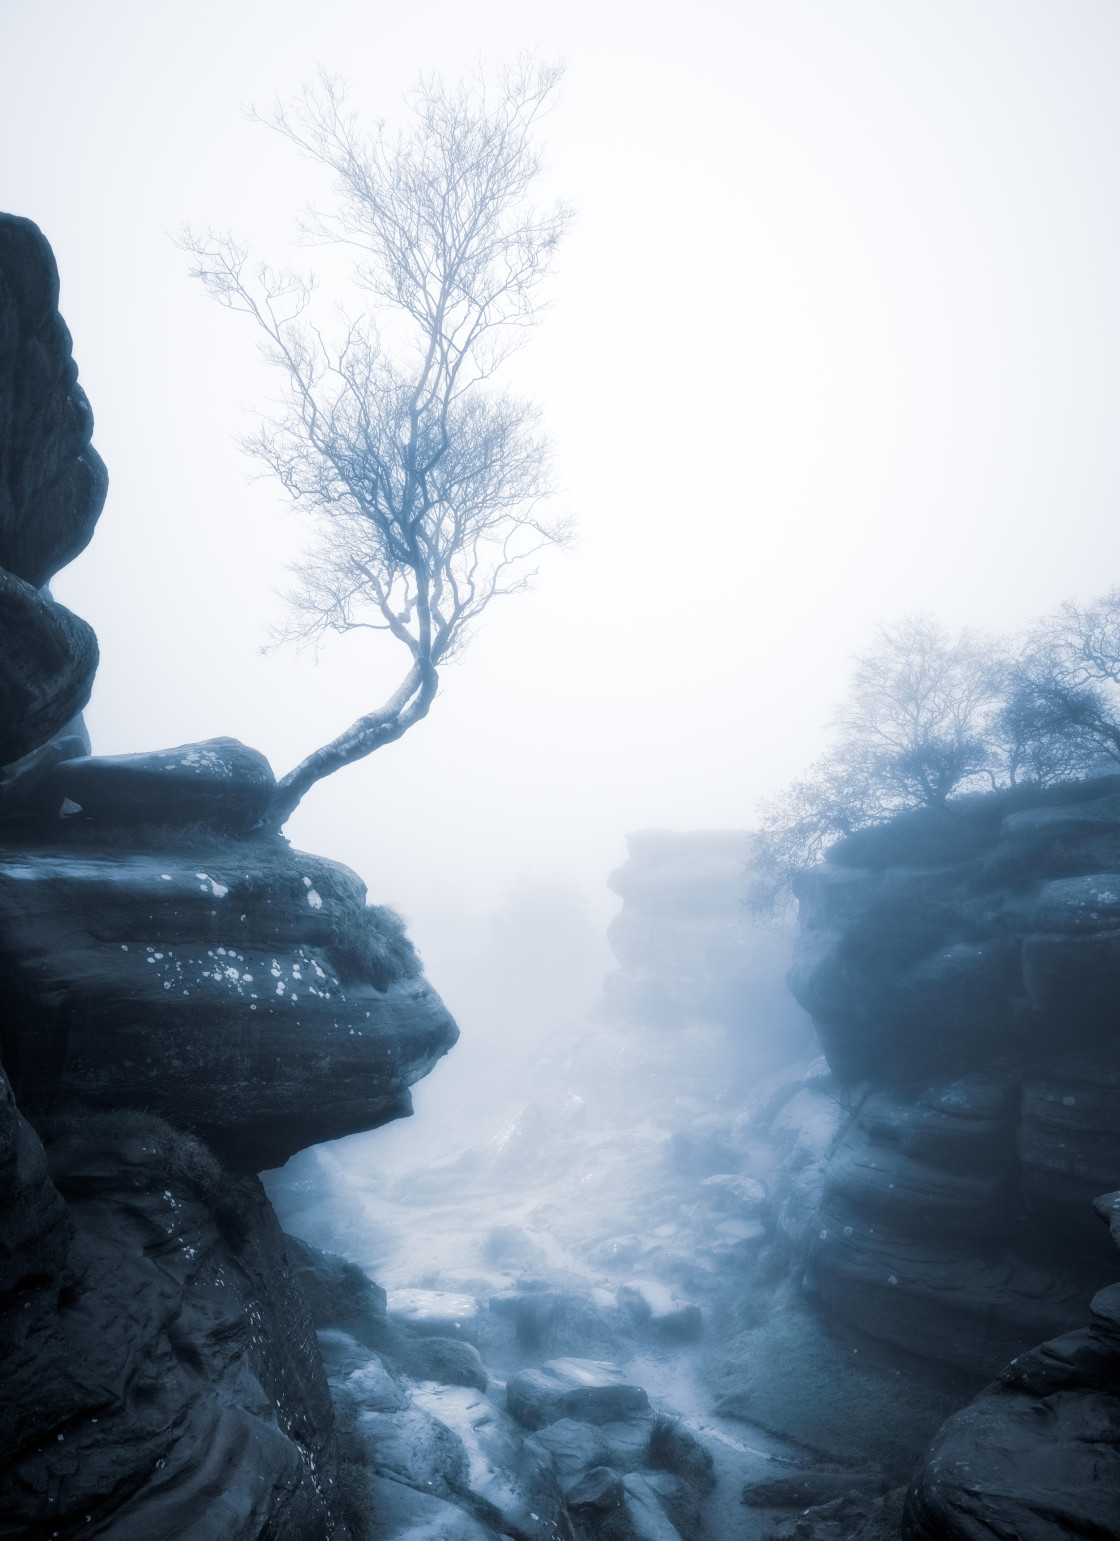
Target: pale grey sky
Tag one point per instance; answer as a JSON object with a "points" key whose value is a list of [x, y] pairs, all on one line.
{"points": [[836, 336]]}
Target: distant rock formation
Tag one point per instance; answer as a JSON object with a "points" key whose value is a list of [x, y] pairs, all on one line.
{"points": [[689, 951], [169, 980]]}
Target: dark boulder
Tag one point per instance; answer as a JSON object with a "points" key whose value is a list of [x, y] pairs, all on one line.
{"points": [[52, 481], [585, 1390], [49, 658], [339, 1294], [218, 986], [599, 1489], [219, 782]]}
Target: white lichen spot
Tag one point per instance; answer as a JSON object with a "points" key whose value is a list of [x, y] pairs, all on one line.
{"points": [[313, 899]]}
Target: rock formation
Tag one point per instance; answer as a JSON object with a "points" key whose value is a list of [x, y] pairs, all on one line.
{"points": [[962, 969], [687, 946], [1037, 1454], [187, 1002]]}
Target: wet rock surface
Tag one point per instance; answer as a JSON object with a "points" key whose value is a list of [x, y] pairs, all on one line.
{"points": [[961, 968], [161, 1376], [218, 987], [221, 783], [586, 1390], [1037, 1455]]}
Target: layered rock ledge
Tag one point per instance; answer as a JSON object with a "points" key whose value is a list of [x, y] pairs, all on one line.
{"points": [[246, 992], [962, 968]]}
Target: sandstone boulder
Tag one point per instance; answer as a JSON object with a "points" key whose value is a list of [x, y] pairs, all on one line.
{"points": [[586, 1390], [221, 987], [599, 1489], [220, 782]]}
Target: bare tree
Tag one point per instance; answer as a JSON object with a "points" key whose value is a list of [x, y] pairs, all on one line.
{"points": [[922, 720], [425, 480], [1062, 717]]}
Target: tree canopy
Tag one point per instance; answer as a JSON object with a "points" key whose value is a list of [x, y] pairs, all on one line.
{"points": [[424, 480]]}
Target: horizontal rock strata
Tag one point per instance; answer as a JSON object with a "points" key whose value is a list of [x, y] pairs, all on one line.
{"points": [[235, 990]]}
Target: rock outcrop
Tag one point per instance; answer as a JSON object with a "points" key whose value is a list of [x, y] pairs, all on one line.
{"points": [[962, 969], [244, 991], [52, 489], [1037, 1454], [185, 1004], [161, 1375]]}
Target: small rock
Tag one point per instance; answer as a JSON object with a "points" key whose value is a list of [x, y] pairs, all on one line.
{"points": [[600, 1488], [643, 1509], [589, 1390], [573, 1447]]}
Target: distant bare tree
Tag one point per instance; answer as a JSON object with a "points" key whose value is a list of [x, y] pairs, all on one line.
{"points": [[921, 721], [425, 480], [1062, 717]]}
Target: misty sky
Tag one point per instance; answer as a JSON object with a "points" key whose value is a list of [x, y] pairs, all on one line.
{"points": [[836, 336]]}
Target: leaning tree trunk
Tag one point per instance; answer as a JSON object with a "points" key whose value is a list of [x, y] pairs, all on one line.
{"points": [[389, 722]]}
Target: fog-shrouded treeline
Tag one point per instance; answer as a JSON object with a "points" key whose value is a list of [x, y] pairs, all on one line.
{"points": [[929, 717]]}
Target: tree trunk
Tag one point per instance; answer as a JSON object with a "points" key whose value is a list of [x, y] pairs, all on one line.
{"points": [[407, 706]]}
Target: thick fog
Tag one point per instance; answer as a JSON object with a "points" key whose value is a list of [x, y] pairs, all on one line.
{"points": [[833, 338]]}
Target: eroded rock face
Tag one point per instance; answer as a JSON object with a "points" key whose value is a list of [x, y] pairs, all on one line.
{"points": [[160, 1371], [234, 990], [946, 940], [52, 489], [161, 1376], [962, 969], [53, 482], [1037, 1455], [49, 660]]}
